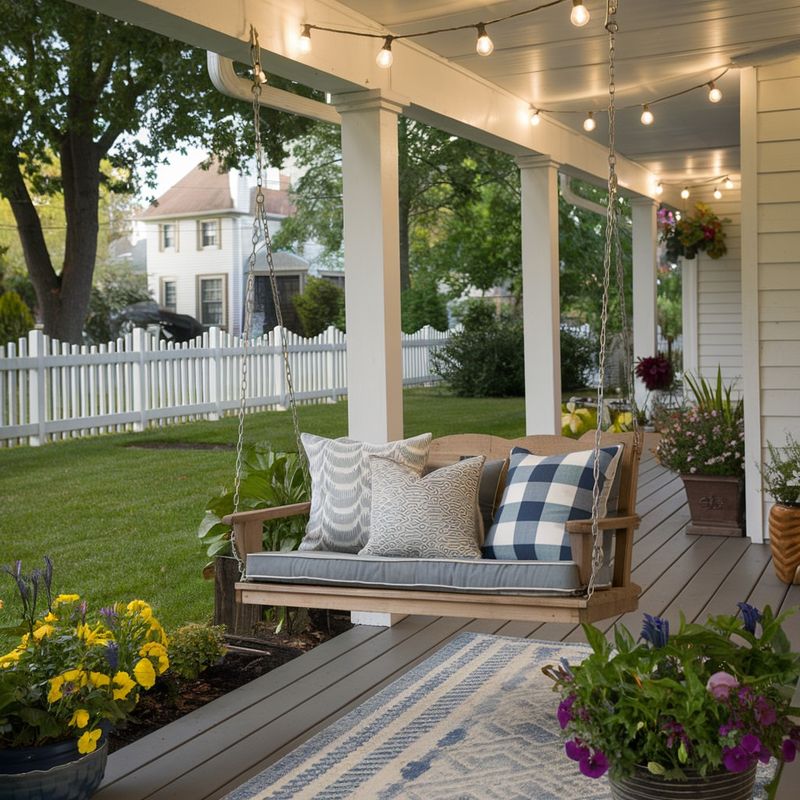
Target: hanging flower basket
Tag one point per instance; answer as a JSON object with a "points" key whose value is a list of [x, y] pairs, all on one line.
{"points": [[700, 232]]}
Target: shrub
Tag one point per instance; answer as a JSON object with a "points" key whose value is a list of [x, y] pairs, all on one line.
{"points": [[485, 358], [423, 304], [15, 318], [578, 359], [319, 305], [194, 647], [117, 288]]}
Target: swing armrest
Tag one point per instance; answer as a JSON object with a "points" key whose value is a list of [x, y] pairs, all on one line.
{"points": [[609, 523], [580, 540], [248, 525]]}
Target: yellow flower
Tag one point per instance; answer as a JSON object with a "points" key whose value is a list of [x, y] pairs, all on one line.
{"points": [[88, 742], [158, 651], [42, 631], [99, 679], [56, 689], [2, 604], [77, 676], [124, 683], [66, 598], [80, 719], [144, 673], [50, 617], [92, 635], [141, 608], [9, 659]]}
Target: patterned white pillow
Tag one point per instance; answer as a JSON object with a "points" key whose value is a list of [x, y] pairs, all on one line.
{"points": [[435, 516], [339, 519]]}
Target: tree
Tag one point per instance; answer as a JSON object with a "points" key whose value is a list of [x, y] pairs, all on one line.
{"points": [[669, 306], [319, 305], [78, 87]]}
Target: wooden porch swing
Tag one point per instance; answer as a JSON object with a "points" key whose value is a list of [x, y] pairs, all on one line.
{"points": [[589, 538]]}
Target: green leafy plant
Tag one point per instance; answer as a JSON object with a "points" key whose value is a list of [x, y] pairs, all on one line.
{"points": [[715, 396], [692, 233], [781, 473], [712, 697], [269, 479], [577, 420], [15, 318], [194, 647], [74, 669]]}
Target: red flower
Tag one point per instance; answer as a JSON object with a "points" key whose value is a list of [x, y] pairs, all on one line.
{"points": [[655, 372]]}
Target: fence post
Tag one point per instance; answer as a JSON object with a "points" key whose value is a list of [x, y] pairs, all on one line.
{"points": [[36, 388], [215, 373], [330, 361], [279, 367], [139, 379]]}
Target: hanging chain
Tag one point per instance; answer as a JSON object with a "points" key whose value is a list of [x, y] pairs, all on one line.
{"points": [[610, 238], [260, 231]]}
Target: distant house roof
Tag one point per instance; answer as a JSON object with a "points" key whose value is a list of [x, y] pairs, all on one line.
{"points": [[201, 191], [276, 201], [282, 260]]}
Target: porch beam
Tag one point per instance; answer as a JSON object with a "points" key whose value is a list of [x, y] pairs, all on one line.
{"points": [[442, 93], [372, 264], [540, 294], [645, 322]]}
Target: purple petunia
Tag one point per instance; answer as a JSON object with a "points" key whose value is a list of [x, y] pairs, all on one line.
{"points": [[720, 684], [564, 713], [788, 750], [576, 751], [736, 759], [595, 766]]}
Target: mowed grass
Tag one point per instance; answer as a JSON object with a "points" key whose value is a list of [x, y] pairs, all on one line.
{"points": [[118, 514]]}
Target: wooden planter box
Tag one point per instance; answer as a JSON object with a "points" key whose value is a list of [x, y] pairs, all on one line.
{"points": [[784, 540], [716, 504]]}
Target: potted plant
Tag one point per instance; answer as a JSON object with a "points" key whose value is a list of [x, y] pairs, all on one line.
{"points": [[781, 476], [692, 233], [704, 444], [694, 712], [73, 674], [658, 377]]}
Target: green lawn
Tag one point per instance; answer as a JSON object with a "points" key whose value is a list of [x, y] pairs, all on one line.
{"points": [[119, 520]]}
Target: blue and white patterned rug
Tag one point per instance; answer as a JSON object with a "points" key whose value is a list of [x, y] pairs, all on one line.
{"points": [[475, 721]]}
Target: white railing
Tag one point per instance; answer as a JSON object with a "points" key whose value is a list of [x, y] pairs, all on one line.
{"points": [[51, 390]]}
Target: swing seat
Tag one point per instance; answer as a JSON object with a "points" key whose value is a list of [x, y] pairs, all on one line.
{"points": [[459, 587]]}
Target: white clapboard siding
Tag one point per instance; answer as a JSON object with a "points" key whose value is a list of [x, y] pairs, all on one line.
{"points": [[778, 252], [50, 390]]}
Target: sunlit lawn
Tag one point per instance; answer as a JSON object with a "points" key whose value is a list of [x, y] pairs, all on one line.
{"points": [[119, 520]]}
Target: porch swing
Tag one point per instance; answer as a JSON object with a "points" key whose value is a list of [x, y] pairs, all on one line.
{"points": [[594, 584]]}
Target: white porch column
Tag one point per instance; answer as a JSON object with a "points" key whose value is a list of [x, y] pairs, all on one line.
{"points": [[372, 264], [645, 324], [540, 294]]}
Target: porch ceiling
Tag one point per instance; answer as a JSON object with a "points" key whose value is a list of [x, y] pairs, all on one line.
{"points": [[662, 48]]}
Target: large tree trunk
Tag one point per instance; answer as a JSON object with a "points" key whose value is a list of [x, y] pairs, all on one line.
{"points": [[404, 209]]}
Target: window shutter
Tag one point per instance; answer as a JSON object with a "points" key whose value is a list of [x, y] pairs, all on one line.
{"points": [[199, 230]]}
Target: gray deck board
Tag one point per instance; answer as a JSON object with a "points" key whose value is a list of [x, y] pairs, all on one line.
{"points": [[211, 751]]}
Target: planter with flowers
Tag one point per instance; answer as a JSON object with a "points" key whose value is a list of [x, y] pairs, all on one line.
{"points": [[781, 476], [704, 444], [689, 715], [72, 676], [692, 233]]}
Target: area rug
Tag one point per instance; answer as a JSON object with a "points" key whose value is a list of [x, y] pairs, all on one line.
{"points": [[475, 721]]}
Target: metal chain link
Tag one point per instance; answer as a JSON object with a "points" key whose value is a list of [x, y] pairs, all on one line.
{"points": [[260, 231]]}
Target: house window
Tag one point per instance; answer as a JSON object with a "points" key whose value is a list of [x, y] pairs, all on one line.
{"points": [[168, 236], [208, 233], [212, 300], [169, 295]]}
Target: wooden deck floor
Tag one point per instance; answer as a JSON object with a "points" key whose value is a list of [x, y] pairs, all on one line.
{"points": [[211, 751]]}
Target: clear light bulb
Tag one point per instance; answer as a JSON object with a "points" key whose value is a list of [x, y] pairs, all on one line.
{"points": [[305, 40], [579, 15], [589, 123], [685, 193], [385, 58], [728, 184], [714, 94], [484, 45], [659, 188], [647, 115], [678, 216], [534, 116], [717, 193]]}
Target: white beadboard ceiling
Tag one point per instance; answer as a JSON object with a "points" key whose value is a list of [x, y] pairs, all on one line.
{"points": [[663, 46]]}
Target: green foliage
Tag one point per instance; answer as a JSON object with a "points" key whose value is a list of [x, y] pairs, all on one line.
{"points": [[669, 310], [715, 397], [484, 358], [681, 702], [320, 304], [118, 287], [194, 647], [578, 359], [269, 479], [693, 233], [782, 472], [422, 304], [15, 318]]}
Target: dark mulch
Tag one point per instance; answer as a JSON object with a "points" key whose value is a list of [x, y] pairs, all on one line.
{"points": [[248, 659]]}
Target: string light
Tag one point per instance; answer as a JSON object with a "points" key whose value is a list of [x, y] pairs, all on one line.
{"points": [[714, 94], [484, 46], [385, 58], [728, 183], [717, 193], [589, 123], [305, 40], [678, 216], [534, 116], [685, 193], [647, 115], [579, 16]]}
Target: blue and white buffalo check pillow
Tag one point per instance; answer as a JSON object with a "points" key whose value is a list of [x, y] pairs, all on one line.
{"points": [[543, 493]]}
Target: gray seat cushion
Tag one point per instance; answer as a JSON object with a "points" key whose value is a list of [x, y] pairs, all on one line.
{"points": [[475, 576]]}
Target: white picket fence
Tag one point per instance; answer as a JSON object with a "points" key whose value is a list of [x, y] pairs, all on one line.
{"points": [[50, 390]]}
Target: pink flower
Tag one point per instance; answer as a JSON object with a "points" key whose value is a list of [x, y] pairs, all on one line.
{"points": [[720, 685]]}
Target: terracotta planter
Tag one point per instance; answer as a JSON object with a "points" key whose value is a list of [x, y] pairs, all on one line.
{"points": [[643, 785], [716, 504], [784, 540]]}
